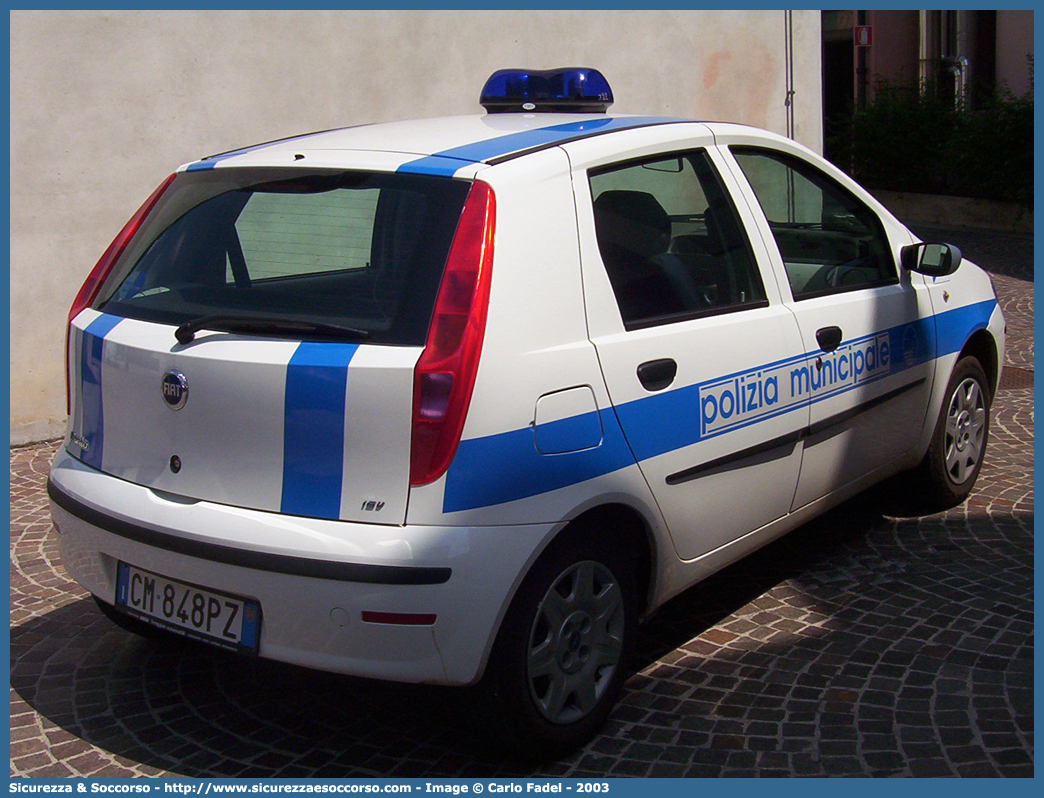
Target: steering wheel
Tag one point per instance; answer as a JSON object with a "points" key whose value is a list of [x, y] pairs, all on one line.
{"points": [[843, 273]]}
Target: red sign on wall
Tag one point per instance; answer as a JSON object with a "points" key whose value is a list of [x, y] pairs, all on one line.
{"points": [[864, 35]]}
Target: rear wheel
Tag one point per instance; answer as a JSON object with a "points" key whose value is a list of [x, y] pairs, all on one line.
{"points": [[955, 456], [560, 658]]}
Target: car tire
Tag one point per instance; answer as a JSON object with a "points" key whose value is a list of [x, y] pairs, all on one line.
{"points": [[562, 653], [954, 458]]}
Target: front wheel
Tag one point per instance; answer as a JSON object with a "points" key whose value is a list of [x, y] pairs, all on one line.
{"points": [[560, 658], [958, 444]]}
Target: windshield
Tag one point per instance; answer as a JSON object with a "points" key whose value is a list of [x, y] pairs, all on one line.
{"points": [[359, 250]]}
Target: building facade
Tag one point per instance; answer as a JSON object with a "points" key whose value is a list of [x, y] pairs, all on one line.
{"points": [[965, 53]]}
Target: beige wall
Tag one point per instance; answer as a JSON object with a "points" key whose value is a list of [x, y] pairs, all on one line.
{"points": [[105, 104]]}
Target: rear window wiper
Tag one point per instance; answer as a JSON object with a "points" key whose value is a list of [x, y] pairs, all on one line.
{"points": [[259, 325]]}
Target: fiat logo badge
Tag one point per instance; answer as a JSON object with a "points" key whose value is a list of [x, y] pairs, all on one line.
{"points": [[175, 389]]}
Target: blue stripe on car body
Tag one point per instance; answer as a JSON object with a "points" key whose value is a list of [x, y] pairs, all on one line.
{"points": [[92, 418], [954, 327], [313, 429], [447, 162], [568, 435], [437, 165], [522, 472]]}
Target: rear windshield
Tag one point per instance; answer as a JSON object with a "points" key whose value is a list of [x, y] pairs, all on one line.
{"points": [[355, 249]]}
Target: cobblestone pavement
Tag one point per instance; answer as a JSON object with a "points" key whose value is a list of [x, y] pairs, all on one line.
{"points": [[866, 643]]}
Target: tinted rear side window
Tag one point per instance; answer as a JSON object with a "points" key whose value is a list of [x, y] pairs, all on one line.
{"points": [[671, 241], [355, 249]]}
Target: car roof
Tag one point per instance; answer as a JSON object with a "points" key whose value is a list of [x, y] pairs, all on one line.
{"points": [[444, 145]]}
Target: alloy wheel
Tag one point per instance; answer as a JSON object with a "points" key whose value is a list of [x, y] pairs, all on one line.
{"points": [[965, 430], [576, 642]]}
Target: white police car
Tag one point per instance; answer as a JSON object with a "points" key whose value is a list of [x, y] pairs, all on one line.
{"points": [[459, 401]]}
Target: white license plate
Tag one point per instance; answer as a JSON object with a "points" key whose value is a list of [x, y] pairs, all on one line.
{"points": [[226, 620]]}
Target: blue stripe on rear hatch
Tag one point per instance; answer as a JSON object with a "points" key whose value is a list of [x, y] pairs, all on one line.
{"points": [[92, 412], [447, 162], [313, 429]]}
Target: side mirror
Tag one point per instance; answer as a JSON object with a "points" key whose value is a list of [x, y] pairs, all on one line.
{"points": [[933, 260]]}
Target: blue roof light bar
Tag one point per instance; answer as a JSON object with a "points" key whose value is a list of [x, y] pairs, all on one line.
{"points": [[562, 90]]}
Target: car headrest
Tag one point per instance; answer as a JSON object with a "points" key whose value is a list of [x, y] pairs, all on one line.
{"points": [[633, 220]]}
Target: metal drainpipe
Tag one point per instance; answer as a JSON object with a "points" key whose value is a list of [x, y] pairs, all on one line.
{"points": [[959, 69], [924, 50], [788, 47]]}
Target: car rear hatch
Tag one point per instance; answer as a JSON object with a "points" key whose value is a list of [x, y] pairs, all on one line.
{"points": [[254, 343]]}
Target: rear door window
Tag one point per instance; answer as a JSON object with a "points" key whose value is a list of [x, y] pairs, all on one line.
{"points": [[671, 240], [354, 249]]}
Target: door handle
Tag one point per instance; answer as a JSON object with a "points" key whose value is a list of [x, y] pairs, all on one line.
{"points": [[655, 375], [828, 338]]}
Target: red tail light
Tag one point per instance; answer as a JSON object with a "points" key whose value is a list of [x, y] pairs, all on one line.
{"points": [[89, 289], [445, 374]]}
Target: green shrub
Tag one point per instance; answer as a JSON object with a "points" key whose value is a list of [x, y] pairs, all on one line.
{"points": [[991, 151], [911, 138]]}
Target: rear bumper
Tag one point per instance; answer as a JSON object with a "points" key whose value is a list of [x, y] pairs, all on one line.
{"points": [[314, 578]]}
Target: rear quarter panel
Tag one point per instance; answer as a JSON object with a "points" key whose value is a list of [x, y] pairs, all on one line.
{"points": [[536, 344]]}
